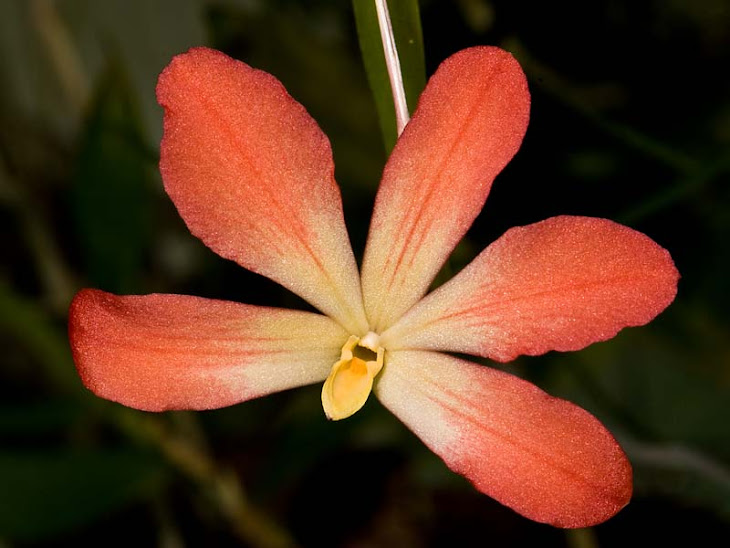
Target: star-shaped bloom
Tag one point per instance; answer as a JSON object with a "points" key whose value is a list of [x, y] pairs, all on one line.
{"points": [[252, 175]]}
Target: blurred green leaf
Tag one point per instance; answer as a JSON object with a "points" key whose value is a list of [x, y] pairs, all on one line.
{"points": [[680, 472], [406, 21], [143, 35], [28, 324], [31, 88], [660, 389], [111, 192], [44, 494], [40, 418], [666, 402]]}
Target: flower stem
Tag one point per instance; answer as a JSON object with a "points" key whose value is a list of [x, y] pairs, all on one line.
{"points": [[393, 63], [222, 485]]}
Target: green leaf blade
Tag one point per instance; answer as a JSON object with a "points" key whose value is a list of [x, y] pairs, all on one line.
{"points": [[406, 21], [112, 189], [44, 494]]}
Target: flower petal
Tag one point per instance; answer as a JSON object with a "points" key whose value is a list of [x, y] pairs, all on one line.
{"points": [[544, 457], [560, 284], [469, 123], [158, 352], [252, 175]]}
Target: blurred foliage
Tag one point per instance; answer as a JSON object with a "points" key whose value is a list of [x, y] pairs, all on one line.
{"points": [[51, 492], [406, 22], [630, 121], [110, 190]]}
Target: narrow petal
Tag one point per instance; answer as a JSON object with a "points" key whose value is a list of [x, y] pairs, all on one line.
{"points": [[252, 175], [158, 352], [469, 123], [543, 457], [560, 284]]}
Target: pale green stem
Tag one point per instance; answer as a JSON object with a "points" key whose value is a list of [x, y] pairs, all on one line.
{"points": [[393, 63]]}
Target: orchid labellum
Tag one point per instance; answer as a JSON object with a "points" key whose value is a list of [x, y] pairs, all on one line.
{"points": [[252, 175]]}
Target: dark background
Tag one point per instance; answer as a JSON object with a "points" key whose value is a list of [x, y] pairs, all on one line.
{"points": [[630, 121]]}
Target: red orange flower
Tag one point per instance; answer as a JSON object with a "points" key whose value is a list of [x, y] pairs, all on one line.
{"points": [[252, 176]]}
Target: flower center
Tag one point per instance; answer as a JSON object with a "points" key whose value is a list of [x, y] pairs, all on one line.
{"points": [[349, 383]]}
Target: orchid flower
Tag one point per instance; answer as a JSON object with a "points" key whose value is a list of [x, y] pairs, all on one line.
{"points": [[252, 175]]}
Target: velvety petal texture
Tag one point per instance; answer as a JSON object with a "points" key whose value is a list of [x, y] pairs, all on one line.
{"points": [[159, 352], [469, 123], [560, 284], [252, 175], [544, 457]]}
